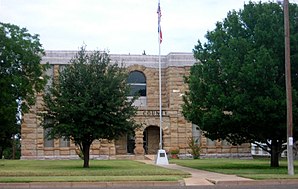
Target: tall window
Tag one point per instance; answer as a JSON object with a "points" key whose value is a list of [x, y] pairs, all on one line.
{"points": [[48, 142], [50, 74], [196, 133], [137, 82], [61, 68]]}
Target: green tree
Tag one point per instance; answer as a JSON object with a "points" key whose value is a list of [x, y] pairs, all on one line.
{"points": [[20, 77], [89, 101], [237, 89]]}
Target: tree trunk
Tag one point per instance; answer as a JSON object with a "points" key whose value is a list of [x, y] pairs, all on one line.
{"points": [[13, 148], [275, 153], [86, 150], [1, 152]]}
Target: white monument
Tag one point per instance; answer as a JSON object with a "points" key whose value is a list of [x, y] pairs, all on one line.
{"points": [[162, 158]]}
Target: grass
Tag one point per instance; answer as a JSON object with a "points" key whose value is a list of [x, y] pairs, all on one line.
{"points": [[255, 169], [72, 171], [126, 170]]}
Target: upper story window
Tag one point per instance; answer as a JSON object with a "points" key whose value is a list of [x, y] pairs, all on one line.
{"points": [[50, 74], [137, 82], [61, 68]]}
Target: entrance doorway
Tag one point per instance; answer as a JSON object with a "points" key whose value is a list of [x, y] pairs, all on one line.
{"points": [[151, 139], [130, 144]]}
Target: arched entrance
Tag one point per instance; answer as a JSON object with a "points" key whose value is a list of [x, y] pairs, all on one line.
{"points": [[151, 140]]}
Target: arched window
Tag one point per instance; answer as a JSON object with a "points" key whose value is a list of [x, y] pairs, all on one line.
{"points": [[137, 82]]}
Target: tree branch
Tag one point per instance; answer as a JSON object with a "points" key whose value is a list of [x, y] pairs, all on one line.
{"points": [[263, 147]]}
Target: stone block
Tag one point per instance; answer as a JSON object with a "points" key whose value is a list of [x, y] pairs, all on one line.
{"points": [[104, 151], [72, 153], [181, 121], [181, 130], [31, 121], [94, 151], [226, 150], [139, 151], [234, 150], [49, 153], [64, 152], [40, 153], [182, 145], [211, 150]]}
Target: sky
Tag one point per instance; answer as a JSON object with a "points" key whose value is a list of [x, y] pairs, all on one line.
{"points": [[118, 26]]}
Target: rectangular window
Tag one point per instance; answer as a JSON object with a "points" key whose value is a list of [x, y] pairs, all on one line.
{"points": [[211, 142], [196, 133], [61, 68], [50, 74], [48, 143], [64, 142]]}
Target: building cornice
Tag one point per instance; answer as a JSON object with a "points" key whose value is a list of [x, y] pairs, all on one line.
{"points": [[173, 59]]}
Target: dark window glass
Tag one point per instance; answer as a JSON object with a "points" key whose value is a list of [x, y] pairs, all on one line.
{"points": [[48, 142], [137, 82], [64, 142], [136, 77], [137, 90]]}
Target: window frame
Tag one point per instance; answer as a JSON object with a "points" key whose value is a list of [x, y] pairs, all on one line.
{"points": [[138, 83]]}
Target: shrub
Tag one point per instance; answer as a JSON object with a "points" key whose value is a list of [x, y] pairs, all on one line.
{"points": [[194, 147], [174, 153]]}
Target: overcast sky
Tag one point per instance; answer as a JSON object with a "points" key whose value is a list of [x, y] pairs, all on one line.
{"points": [[120, 26]]}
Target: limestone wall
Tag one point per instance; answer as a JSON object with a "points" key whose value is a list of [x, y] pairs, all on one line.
{"points": [[175, 129]]}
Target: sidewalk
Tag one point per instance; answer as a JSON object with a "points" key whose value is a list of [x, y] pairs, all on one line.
{"points": [[200, 177]]}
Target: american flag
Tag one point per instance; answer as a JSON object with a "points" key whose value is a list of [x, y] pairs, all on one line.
{"points": [[159, 18]]}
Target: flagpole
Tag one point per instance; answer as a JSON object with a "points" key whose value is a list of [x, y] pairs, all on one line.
{"points": [[161, 154], [159, 75], [160, 102]]}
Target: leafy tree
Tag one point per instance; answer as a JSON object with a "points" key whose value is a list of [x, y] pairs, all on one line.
{"points": [[20, 77], [89, 102], [237, 89]]}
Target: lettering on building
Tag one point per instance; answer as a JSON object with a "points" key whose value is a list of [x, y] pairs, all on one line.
{"points": [[152, 113]]}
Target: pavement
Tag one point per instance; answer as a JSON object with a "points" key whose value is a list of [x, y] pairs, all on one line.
{"points": [[204, 178], [200, 177]]}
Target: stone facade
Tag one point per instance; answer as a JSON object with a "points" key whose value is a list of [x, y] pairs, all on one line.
{"points": [[176, 131]]}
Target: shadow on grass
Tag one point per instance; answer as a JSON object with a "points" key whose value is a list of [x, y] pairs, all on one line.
{"points": [[246, 168]]}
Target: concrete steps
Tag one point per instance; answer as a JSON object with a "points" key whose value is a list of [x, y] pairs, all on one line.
{"points": [[150, 157]]}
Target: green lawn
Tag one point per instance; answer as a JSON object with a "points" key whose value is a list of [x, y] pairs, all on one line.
{"points": [[126, 170], [255, 169], [72, 171]]}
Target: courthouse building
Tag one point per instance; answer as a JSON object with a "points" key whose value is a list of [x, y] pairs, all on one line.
{"points": [[143, 77]]}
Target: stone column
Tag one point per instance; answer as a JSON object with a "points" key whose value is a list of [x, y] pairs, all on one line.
{"points": [[139, 148], [28, 132]]}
